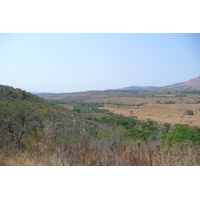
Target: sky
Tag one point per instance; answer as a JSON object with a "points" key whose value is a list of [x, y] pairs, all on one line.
{"points": [[74, 62]]}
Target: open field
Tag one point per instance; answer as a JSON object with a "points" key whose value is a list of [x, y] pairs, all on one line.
{"points": [[170, 113]]}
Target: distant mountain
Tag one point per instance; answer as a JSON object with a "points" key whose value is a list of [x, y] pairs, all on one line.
{"points": [[191, 85], [137, 88]]}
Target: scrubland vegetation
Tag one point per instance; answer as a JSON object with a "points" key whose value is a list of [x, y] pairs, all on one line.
{"points": [[38, 132]]}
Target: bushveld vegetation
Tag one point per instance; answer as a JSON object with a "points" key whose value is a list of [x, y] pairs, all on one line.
{"points": [[38, 132]]}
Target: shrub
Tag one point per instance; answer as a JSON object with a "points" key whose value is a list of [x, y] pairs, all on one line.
{"points": [[189, 112]]}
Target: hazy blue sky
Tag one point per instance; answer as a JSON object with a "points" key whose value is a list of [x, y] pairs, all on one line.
{"points": [[80, 62]]}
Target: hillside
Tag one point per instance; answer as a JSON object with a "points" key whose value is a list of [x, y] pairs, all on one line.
{"points": [[191, 85], [23, 114], [18, 97]]}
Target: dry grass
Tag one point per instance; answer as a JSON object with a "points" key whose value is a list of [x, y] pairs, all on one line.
{"points": [[42, 154], [170, 113]]}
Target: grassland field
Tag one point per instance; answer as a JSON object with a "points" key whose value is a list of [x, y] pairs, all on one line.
{"points": [[156, 108], [173, 114]]}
